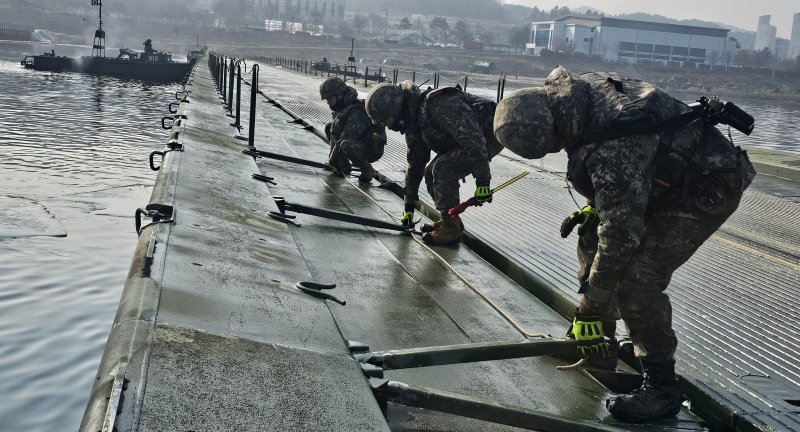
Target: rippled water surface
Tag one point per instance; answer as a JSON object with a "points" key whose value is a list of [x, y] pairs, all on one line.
{"points": [[73, 168]]}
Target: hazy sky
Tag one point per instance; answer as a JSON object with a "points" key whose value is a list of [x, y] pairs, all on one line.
{"points": [[741, 13]]}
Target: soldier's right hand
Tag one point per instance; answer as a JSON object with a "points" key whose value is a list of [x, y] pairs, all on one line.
{"points": [[408, 215]]}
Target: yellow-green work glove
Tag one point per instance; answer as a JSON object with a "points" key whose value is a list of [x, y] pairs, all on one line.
{"points": [[588, 331], [586, 217], [408, 215], [483, 194]]}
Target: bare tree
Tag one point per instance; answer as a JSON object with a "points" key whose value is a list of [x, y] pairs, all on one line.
{"points": [[461, 31], [440, 24]]}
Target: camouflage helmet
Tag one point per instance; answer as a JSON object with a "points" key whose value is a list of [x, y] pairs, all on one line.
{"points": [[333, 86], [523, 123], [384, 101]]}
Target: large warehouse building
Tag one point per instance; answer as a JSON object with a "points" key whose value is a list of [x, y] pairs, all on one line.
{"points": [[632, 41]]}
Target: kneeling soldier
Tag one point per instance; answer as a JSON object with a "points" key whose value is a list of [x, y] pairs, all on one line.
{"points": [[352, 135]]}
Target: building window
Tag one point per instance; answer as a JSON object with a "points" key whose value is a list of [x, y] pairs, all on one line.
{"points": [[697, 52], [541, 38], [644, 48], [663, 49], [682, 51], [627, 46]]}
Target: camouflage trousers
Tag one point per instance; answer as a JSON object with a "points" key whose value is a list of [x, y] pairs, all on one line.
{"points": [[445, 170], [674, 229], [361, 152]]}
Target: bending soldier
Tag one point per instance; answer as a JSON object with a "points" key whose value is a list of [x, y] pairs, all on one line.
{"points": [[352, 135], [659, 179], [457, 126]]}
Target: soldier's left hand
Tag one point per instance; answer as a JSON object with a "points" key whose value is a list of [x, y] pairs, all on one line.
{"points": [[483, 194], [586, 217]]}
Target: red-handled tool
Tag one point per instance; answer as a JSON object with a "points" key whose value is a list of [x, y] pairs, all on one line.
{"points": [[457, 210]]}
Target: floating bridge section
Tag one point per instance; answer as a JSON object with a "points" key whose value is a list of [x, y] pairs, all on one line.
{"points": [[224, 322]]}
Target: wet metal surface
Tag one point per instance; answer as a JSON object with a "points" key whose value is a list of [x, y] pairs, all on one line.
{"points": [[399, 295], [748, 270]]}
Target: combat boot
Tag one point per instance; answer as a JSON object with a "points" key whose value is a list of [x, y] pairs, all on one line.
{"points": [[659, 396], [426, 228], [367, 173], [339, 161], [448, 232]]}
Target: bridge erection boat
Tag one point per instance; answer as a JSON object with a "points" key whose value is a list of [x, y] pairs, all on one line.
{"points": [[150, 65]]}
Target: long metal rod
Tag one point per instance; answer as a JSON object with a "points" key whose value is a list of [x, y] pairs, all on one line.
{"points": [[283, 205], [285, 158], [487, 410], [468, 353]]}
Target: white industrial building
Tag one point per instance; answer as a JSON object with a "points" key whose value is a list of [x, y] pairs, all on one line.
{"points": [[794, 41], [632, 41], [765, 34]]}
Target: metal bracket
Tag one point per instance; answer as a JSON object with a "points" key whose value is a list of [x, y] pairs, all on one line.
{"points": [[148, 256], [159, 213], [263, 178], [283, 218], [315, 290], [174, 118], [115, 399]]}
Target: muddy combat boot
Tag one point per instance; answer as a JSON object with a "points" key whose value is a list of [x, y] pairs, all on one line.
{"points": [[448, 232], [367, 173], [426, 228], [659, 396]]}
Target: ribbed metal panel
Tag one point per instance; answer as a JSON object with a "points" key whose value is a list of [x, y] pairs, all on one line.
{"points": [[736, 302]]}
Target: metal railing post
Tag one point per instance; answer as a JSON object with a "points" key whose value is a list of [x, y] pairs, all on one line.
{"points": [[230, 87], [366, 74], [466, 81], [253, 95]]}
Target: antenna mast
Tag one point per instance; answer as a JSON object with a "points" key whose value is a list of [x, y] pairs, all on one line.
{"points": [[99, 45]]}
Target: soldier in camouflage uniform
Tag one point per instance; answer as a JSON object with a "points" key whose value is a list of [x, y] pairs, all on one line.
{"points": [[455, 125], [352, 135], [656, 187]]}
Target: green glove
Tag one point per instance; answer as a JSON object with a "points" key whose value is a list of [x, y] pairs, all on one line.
{"points": [[588, 331], [408, 215], [483, 194], [586, 217]]}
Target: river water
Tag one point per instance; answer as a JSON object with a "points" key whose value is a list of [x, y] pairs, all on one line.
{"points": [[73, 169]]}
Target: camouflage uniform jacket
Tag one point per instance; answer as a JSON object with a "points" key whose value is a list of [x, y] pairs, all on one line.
{"points": [[350, 121], [622, 177], [444, 119]]}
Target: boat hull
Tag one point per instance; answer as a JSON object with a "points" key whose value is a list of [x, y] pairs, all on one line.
{"points": [[120, 68]]}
